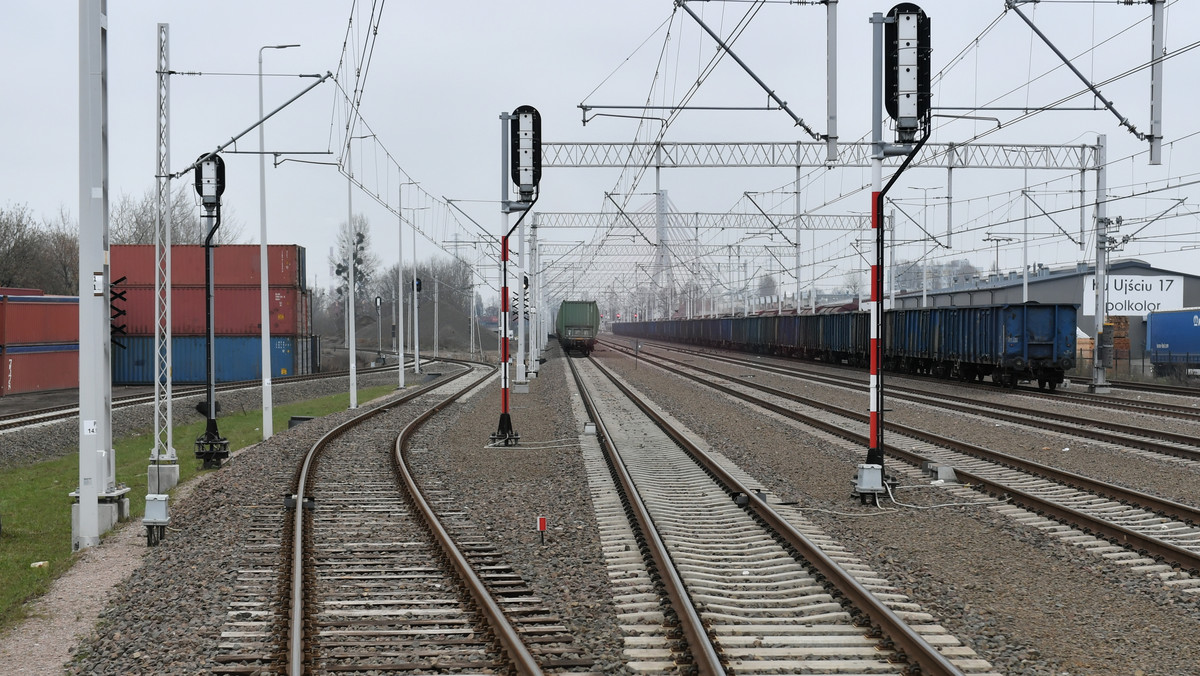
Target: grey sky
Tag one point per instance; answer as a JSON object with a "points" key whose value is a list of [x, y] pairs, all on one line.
{"points": [[442, 71]]}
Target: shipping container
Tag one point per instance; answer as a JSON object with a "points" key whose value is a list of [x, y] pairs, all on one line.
{"points": [[237, 358], [233, 265], [37, 320], [38, 368], [14, 291], [235, 310]]}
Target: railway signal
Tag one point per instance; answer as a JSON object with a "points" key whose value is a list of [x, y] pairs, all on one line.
{"points": [[520, 135], [211, 447], [900, 59]]}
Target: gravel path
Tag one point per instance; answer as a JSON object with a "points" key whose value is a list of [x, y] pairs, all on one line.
{"points": [[1026, 602]]}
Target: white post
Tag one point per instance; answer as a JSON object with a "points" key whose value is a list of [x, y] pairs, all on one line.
{"points": [[416, 306], [400, 284], [350, 328], [1157, 29], [522, 301], [268, 428], [95, 405]]}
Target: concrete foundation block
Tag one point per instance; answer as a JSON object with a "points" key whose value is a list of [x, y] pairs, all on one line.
{"points": [[108, 512], [161, 478]]}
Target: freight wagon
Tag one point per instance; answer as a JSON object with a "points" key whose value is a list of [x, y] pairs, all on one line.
{"points": [[1008, 343], [577, 324], [1173, 341]]}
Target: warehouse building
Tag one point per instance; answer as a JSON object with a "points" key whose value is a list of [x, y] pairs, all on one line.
{"points": [[1135, 288]]}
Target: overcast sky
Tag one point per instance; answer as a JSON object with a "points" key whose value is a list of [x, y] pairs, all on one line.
{"points": [[441, 72]]}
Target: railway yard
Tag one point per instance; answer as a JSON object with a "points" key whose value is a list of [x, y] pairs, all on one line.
{"points": [[768, 565]]}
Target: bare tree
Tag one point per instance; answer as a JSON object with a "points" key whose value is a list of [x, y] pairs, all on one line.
{"points": [[366, 261], [18, 237], [134, 221], [58, 253], [766, 285]]}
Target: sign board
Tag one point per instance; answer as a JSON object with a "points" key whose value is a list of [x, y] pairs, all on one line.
{"points": [[541, 524], [1134, 295]]}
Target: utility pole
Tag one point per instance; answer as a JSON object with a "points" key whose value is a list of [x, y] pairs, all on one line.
{"points": [[997, 240], [1099, 382]]}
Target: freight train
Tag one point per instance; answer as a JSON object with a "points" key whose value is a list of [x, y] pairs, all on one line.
{"points": [[577, 324], [1008, 343], [1173, 341]]}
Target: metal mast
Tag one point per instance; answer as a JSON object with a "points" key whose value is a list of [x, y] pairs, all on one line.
{"points": [[164, 449]]}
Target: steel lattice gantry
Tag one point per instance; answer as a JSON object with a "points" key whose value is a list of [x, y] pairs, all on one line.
{"points": [[785, 154]]}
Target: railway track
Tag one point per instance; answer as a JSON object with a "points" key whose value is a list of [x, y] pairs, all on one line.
{"points": [[1181, 390], [1109, 431], [51, 414], [354, 572], [1142, 523], [751, 591], [1159, 408]]}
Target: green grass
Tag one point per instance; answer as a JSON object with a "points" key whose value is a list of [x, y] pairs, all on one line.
{"points": [[36, 509]]}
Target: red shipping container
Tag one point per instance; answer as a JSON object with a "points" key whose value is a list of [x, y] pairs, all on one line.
{"points": [[29, 320], [13, 291], [35, 368], [236, 311], [233, 265]]}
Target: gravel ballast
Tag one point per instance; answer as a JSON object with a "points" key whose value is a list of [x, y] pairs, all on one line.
{"points": [[1026, 602]]}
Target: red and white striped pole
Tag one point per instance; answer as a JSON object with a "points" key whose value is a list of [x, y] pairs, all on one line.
{"points": [[504, 331], [875, 450], [875, 447]]}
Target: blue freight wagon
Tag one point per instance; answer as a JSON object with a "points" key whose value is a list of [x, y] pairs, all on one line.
{"points": [[1173, 341], [1008, 343]]}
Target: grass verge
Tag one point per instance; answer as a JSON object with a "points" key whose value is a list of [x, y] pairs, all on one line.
{"points": [[36, 509]]}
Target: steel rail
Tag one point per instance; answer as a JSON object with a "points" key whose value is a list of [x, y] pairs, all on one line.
{"points": [[296, 624], [1077, 426], [1095, 400], [1181, 390], [911, 645], [507, 635], [1165, 551], [705, 657]]}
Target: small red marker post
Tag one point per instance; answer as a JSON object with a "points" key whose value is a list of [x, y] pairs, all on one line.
{"points": [[541, 526]]}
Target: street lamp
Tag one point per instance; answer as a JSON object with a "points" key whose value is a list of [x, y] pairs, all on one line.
{"points": [[268, 426]]}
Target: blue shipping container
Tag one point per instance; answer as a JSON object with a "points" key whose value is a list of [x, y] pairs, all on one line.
{"points": [[1173, 336], [237, 358]]}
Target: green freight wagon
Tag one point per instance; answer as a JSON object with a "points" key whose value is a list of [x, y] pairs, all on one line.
{"points": [[577, 324]]}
